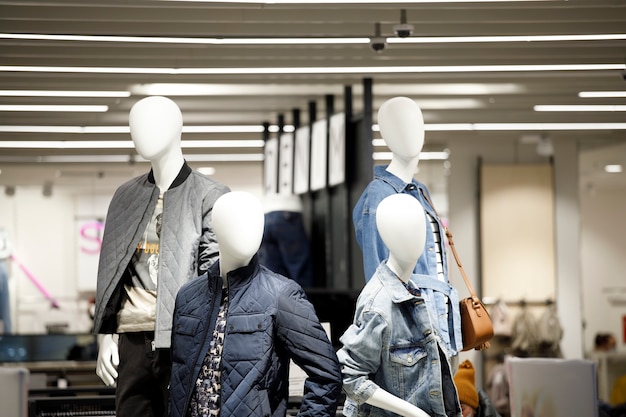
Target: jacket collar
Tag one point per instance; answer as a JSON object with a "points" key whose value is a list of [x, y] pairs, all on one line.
{"points": [[392, 284], [238, 277], [184, 172], [381, 173]]}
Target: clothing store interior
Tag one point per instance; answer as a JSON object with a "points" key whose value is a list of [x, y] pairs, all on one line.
{"points": [[124, 123]]}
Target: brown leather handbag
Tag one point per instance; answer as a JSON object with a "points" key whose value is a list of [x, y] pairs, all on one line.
{"points": [[476, 324]]}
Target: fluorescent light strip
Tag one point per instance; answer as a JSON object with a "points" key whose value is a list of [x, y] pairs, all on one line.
{"points": [[502, 39], [452, 127], [523, 126], [128, 144], [56, 108], [570, 108], [314, 41], [126, 129], [613, 169], [425, 156], [169, 40], [472, 127], [52, 93], [602, 94], [348, 1], [319, 70], [125, 159]]}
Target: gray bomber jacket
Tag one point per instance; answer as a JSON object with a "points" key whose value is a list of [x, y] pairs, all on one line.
{"points": [[188, 245]]}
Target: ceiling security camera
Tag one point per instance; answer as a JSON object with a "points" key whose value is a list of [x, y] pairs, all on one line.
{"points": [[378, 43], [403, 30]]}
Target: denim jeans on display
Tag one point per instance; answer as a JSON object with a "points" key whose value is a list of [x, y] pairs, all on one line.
{"points": [[285, 248]]}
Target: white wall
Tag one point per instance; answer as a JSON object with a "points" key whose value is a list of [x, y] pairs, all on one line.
{"points": [[603, 261]]}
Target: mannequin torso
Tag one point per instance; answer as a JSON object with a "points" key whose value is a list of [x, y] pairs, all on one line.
{"points": [[401, 224], [158, 230], [270, 322]]}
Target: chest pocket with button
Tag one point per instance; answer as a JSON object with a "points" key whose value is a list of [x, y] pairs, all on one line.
{"points": [[409, 367], [246, 337]]}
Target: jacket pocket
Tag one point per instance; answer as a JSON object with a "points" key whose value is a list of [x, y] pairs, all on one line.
{"points": [[409, 368], [187, 325], [246, 336], [406, 355], [185, 330]]}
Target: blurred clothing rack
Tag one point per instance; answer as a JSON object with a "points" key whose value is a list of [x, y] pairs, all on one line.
{"points": [[490, 301]]}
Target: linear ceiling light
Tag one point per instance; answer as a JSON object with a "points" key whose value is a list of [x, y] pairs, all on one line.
{"points": [[315, 41], [52, 93], [502, 39], [202, 41], [228, 89], [124, 144], [602, 94], [584, 107], [349, 1], [125, 159], [126, 129], [456, 127], [319, 70], [433, 127], [58, 108], [613, 168], [424, 156]]}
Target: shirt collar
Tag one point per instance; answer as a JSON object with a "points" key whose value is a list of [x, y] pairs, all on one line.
{"points": [[381, 173]]}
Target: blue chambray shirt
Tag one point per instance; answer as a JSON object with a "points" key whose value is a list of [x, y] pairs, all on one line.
{"points": [[444, 298], [393, 345]]}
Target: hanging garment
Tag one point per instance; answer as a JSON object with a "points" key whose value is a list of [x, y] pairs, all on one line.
{"points": [[501, 318], [550, 333], [524, 334]]}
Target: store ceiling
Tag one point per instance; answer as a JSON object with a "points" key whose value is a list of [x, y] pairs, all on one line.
{"points": [[456, 97]]}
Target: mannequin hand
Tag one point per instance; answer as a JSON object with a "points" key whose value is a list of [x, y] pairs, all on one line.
{"points": [[108, 358]]}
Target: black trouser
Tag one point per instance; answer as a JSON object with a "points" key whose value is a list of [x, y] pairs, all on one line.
{"points": [[143, 377]]}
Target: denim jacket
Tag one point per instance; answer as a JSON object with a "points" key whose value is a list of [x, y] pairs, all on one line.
{"points": [[393, 345], [443, 296]]}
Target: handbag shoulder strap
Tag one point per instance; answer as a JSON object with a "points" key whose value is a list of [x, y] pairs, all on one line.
{"points": [[456, 255]]}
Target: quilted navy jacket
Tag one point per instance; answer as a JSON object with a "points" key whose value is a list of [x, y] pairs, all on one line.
{"points": [[269, 321]]}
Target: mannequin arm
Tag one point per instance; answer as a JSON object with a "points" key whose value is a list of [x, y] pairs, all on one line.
{"points": [[108, 358], [387, 401]]}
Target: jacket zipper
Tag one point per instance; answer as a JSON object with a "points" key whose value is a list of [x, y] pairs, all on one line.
{"points": [[191, 383]]}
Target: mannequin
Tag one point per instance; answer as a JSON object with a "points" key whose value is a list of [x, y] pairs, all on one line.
{"points": [[238, 326], [369, 370], [158, 230], [285, 248], [402, 127]]}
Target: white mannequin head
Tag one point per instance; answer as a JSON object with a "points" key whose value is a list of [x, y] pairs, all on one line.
{"points": [[238, 222], [402, 128], [401, 223], [156, 125]]}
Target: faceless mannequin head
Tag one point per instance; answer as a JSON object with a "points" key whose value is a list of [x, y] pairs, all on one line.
{"points": [[402, 127], [238, 221], [156, 125], [401, 224]]}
